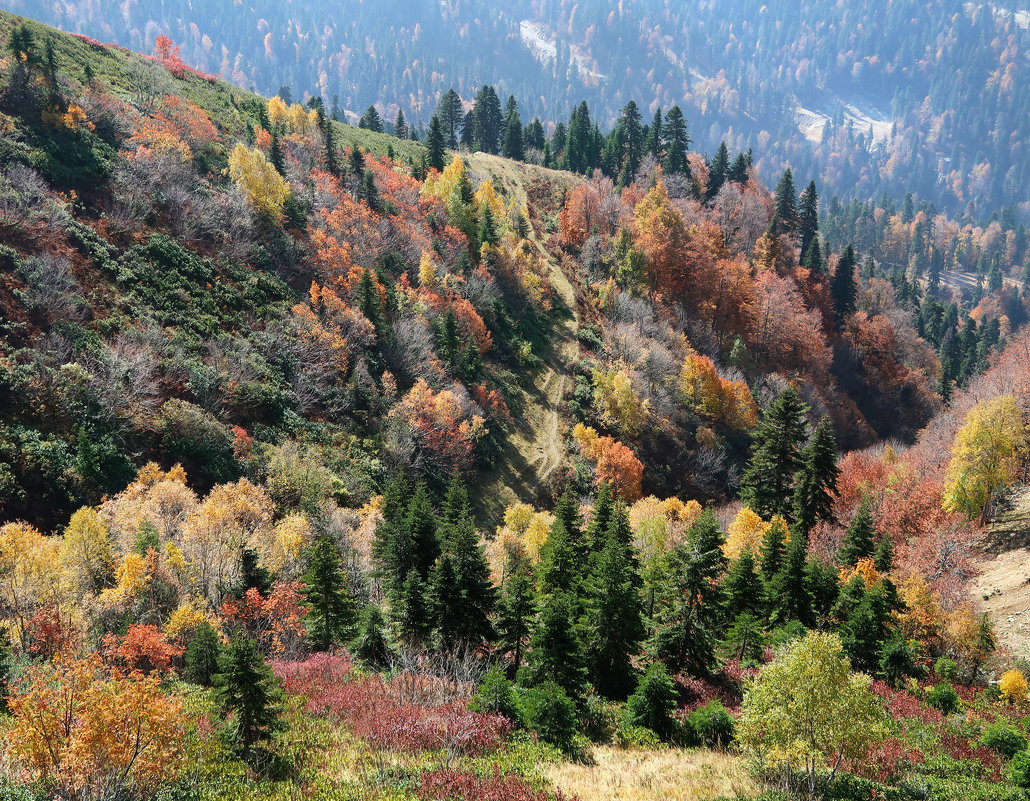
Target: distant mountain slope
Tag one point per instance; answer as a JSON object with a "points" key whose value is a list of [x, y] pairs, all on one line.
{"points": [[869, 98]]}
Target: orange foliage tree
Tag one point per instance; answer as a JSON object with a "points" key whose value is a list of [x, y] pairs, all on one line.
{"points": [[444, 432], [615, 464]]}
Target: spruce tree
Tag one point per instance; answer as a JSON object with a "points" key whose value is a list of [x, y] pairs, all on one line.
{"points": [[858, 542], [332, 611], [653, 142], [512, 146], [600, 517], [447, 611], [201, 660], [614, 619], [866, 631], [767, 483], [472, 587], [488, 120], [773, 548], [516, 609], [786, 199], [632, 141], [370, 645], [808, 218], [400, 126], [415, 610], [450, 114], [556, 652], [813, 257], [843, 287], [357, 163], [246, 689], [533, 136], [742, 589], [677, 141], [371, 120], [739, 170], [790, 597], [816, 484], [718, 170], [275, 155], [823, 583], [744, 639], [370, 192], [883, 558], [487, 233], [468, 131], [435, 145]]}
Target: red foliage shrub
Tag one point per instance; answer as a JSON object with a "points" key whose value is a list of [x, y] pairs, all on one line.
{"points": [[459, 785], [958, 747], [902, 706], [143, 648], [888, 761], [48, 634], [371, 710], [275, 621]]}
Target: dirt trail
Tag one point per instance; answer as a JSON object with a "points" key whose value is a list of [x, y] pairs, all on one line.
{"points": [[533, 449], [1003, 586]]}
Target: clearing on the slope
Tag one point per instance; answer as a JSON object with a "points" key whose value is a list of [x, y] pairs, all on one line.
{"points": [[1003, 583], [533, 448]]}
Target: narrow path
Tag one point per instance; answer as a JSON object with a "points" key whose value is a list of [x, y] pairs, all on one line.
{"points": [[1002, 587]]}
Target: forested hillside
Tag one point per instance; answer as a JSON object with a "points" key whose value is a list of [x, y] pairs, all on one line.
{"points": [[871, 98], [335, 464]]}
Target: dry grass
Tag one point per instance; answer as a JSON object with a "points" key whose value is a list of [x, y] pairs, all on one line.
{"points": [[668, 775]]}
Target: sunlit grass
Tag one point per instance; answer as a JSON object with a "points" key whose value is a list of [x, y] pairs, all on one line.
{"points": [[666, 775]]}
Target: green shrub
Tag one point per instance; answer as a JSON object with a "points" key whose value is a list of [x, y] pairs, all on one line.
{"points": [[551, 714], [600, 719], [946, 668], [629, 736], [711, 725], [786, 634], [652, 704], [1019, 770], [496, 694], [944, 698], [1004, 738]]}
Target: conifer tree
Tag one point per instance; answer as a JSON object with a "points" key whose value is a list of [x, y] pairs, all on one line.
{"points": [[744, 639], [773, 547], [718, 170], [487, 233], [741, 164], [371, 120], [632, 142], [767, 483], [400, 126], [866, 631], [368, 301], [883, 558], [246, 689], [790, 597], [472, 587], [468, 130], [742, 589], [414, 610], [813, 258], [808, 218], [556, 652], [370, 192], [787, 203], [516, 609], [201, 661], [512, 146], [275, 155], [843, 287], [823, 583], [435, 145], [816, 484], [446, 602], [533, 136], [858, 542], [600, 518], [357, 163], [676, 143], [488, 120], [370, 645], [653, 142], [332, 611], [450, 114]]}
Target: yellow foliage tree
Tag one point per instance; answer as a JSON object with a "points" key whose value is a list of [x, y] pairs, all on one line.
{"points": [[281, 549], [88, 551], [31, 574], [426, 270], [746, 532], [259, 181], [278, 113], [985, 455], [715, 398], [1013, 686], [617, 402], [864, 568]]}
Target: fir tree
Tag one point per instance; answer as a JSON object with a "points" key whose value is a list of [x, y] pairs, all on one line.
{"points": [[472, 586], [790, 597], [823, 583], [516, 609], [739, 170], [246, 689], [370, 645], [488, 120], [275, 153], [370, 192], [742, 589], [858, 542], [357, 163], [808, 218], [744, 640], [446, 603], [773, 547], [676, 143], [331, 165], [556, 653], [487, 233], [331, 608], [450, 114], [883, 558], [866, 631], [718, 170], [816, 484], [468, 131], [766, 485], [201, 660], [512, 146], [632, 142], [813, 258], [533, 136], [415, 610], [653, 142], [400, 126], [600, 518], [843, 287], [371, 120], [435, 145], [786, 199]]}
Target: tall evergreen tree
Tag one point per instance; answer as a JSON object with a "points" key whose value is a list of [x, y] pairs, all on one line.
{"points": [[787, 203], [275, 155], [653, 144], [370, 192], [451, 115], [883, 558], [201, 661], [332, 611], [808, 217], [468, 130], [742, 588], [512, 146], [488, 119], [718, 170], [866, 631], [774, 544], [816, 484], [248, 691], [472, 586], [435, 145], [767, 483], [370, 645], [813, 257], [533, 136], [844, 287], [400, 126], [371, 120], [556, 652], [858, 542], [632, 142], [741, 164], [447, 608], [677, 142], [516, 608], [331, 165], [487, 233], [790, 597]]}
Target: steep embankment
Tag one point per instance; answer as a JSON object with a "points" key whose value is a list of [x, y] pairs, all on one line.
{"points": [[1003, 583], [534, 445]]}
